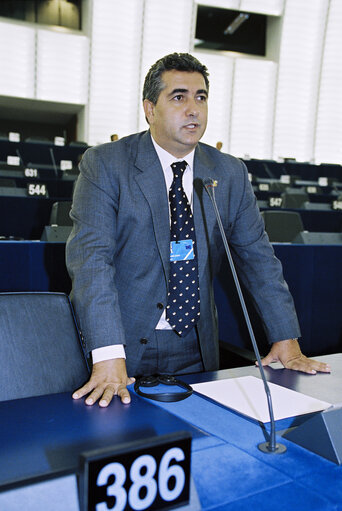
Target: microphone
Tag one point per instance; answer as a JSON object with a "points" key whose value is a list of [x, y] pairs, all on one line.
{"points": [[270, 447], [53, 162]]}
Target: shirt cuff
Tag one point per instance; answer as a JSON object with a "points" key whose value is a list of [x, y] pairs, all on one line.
{"points": [[108, 352]]}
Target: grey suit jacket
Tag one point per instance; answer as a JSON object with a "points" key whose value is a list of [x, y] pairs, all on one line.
{"points": [[119, 249]]}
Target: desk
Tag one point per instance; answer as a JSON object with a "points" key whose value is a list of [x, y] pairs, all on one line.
{"points": [[229, 471]]}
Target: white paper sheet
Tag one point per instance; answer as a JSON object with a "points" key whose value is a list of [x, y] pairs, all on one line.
{"points": [[246, 395]]}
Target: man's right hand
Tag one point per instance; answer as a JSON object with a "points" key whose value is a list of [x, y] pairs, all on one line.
{"points": [[108, 378]]}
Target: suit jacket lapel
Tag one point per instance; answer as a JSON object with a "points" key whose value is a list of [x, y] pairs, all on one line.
{"points": [[151, 181]]}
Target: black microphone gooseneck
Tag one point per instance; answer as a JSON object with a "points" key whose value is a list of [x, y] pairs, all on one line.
{"points": [[270, 447]]}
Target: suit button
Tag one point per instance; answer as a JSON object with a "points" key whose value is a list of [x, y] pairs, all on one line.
{"points": [[83, 341], [160, 305], [143, 341]]}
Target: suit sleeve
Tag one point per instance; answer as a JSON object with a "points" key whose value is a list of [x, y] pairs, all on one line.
{"points": [[90, 252], [260, 270]]}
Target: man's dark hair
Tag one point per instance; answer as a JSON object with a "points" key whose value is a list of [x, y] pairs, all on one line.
{"points": [[154, 84]]}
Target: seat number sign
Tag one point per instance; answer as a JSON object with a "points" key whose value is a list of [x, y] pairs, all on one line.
{"points": [[36, 189], [275, 202], [156, 476], [28, 172]]}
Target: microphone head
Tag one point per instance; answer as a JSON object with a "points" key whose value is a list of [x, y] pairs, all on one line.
{"points": [[209, 183]]}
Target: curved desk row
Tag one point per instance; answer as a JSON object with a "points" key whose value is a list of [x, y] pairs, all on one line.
{"points": [[26, 217], [42, 438], [313, 273]]}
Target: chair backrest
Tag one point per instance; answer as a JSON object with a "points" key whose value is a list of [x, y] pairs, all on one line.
{"points": [[40, 346], [60, 213], [294, 198], [282, 226]]}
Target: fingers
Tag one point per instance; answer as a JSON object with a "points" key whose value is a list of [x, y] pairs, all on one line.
{"points": [[104, 394], [118, 390], [106, 397], [88, 387], [108, 378], [124, 395], [98, 391], [268, 360], [321, 367], [306, 365], [300, 364], [289, 354]]}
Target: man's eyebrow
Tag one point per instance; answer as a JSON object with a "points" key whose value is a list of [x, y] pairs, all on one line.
{"points": [[176, 91], [185, 91]]}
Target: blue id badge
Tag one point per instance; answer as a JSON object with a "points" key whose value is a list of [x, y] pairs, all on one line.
{"points": [[182, 250]]}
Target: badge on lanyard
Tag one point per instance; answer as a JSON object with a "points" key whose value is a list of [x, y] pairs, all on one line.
{"points": [[182, 250]]}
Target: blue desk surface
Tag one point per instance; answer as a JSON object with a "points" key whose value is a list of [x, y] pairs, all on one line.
{"points": [[229, 471], [43, 437]]}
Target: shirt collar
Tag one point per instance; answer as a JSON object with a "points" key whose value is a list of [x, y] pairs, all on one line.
{"points": [[166, 158]]}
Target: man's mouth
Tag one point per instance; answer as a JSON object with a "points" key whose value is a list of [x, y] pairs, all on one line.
{"points": [[191, 126]]}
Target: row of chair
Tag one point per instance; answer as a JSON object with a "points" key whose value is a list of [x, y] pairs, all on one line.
{"points": [[40, 151], [296, 170], [21, 183], [46, 180], [281, 226], [47, 219], [287, 227], [38, 167]]}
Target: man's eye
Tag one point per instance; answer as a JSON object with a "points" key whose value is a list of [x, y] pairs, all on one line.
{"points": [[202, 98], [179, 97]]}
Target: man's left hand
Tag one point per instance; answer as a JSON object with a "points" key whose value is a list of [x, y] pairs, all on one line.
{"points": [[289, 354]]}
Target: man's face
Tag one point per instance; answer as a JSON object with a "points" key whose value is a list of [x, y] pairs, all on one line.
{"points": [[179, 118]]}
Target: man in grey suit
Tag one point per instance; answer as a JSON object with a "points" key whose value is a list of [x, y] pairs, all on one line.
{"points": [[118, 254]]}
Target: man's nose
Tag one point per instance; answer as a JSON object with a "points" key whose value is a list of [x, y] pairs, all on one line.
{"points": [[192, 108]]}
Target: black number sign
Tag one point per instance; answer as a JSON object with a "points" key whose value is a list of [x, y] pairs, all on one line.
{"points": [[143, 475]]}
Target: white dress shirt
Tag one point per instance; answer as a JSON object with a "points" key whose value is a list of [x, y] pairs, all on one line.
{"points": [[166, 159]]}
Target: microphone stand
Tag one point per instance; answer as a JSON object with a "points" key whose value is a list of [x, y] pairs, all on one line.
{"points": [[270, 447]]}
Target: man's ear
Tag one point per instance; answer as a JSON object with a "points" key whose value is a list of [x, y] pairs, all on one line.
{"points": [[149, 110]]}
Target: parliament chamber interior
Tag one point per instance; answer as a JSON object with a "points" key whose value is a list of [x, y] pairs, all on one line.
{"points": [[50, 442]]}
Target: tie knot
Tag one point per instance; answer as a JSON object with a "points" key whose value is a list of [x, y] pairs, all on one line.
{"points": [[178, 167]]}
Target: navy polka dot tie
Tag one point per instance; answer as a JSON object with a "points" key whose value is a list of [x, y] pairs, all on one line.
{"points": [[183, 306]]}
